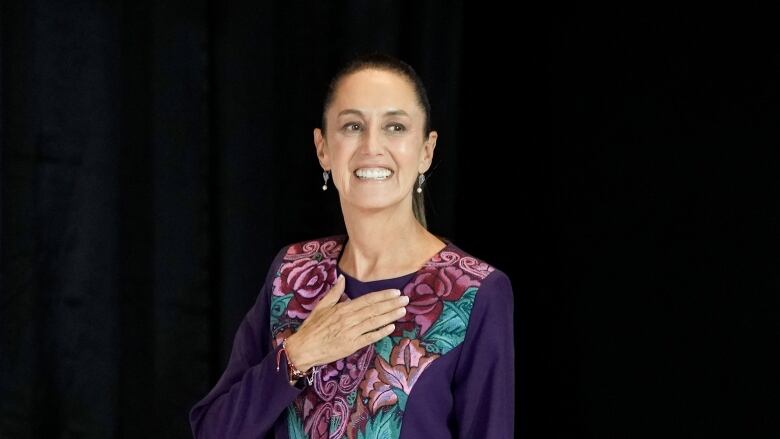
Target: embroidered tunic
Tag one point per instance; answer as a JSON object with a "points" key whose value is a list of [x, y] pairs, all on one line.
{"points": [[446, 371]]}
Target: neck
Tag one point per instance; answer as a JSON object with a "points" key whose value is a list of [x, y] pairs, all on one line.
{"points": [[383, 243]]}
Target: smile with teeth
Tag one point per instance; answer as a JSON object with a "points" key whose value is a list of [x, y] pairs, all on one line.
{"points": [[373, 173]]}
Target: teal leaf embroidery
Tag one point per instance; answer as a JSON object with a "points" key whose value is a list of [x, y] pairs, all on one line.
{"points": [[385, 425], [334, 423], [278, 306], [383, 348], [402, 397], [351, 398], [294, 424], [449, 329]]}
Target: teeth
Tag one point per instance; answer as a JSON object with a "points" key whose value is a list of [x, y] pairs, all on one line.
{"points": [[373, 173]]}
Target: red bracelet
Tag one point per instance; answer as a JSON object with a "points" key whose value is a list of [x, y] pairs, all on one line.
{"points": [[293, 373]]}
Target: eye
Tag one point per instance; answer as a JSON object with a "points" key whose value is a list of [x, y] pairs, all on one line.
{"points": [[351, 127], [396, 128]]}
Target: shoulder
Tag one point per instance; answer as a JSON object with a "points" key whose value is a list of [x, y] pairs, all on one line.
{"points": [[478, 268], [493, 284], [491, 316], [324, 247], [317, 256], [497, 288], [318, 250]]}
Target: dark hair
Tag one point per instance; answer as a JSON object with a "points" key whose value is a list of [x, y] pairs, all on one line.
{"points": [[382, 61]]}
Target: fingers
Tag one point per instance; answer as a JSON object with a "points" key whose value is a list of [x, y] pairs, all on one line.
{"points": [[372, 323], [355, 317], [336, 329], [334, 294], [370, 300], [374, 336]]}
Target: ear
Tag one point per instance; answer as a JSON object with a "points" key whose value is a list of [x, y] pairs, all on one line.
{"points": [[427, 151], [322, 149]]}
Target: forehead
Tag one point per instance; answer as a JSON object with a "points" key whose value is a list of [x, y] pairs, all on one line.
{"points": [[368, 90]]}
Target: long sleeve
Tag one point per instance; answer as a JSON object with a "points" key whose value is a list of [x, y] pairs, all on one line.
{"points": [[250, 396], [483, 387]]}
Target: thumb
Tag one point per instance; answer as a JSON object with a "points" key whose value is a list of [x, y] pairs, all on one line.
{"points": [[332, 297]]}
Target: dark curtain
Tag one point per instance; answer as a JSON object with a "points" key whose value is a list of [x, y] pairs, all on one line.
{"points": [[621, 167]]}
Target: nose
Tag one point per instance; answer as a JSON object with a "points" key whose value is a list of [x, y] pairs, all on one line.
{"points": [[372, 141]]}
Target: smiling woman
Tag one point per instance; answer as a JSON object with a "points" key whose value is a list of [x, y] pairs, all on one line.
{"points": [[376, 129], [388, 331]]}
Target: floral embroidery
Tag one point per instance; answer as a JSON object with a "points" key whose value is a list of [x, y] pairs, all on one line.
{"points": [[427, 292], [365, 394], [326, 409], [309, 279], [389, 383]]}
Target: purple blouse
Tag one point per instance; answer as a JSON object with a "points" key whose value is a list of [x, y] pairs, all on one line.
{"points": [[446, 371]]}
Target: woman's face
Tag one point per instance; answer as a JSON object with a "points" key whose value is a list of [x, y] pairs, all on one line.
{"points": [[375, 145]]}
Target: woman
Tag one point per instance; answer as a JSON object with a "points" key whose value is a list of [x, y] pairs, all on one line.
{"points": [[387, 331]]}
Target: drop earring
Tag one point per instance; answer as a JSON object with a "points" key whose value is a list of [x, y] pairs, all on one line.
{"points": [[420, 181], [325, 177]]}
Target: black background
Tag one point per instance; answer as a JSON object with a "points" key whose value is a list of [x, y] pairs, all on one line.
{"points": [[620, 165]]}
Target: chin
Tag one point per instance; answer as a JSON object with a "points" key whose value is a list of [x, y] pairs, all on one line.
{"points": [[372, 203]]}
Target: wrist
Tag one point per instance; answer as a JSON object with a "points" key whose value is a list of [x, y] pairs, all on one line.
{"points": [[297, 377], [294, 357]]}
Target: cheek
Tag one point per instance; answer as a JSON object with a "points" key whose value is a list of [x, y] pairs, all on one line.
{"points": [[410, 155]]}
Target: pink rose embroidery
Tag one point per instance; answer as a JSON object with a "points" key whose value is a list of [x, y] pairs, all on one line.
{"points": [[426, 294], [308, 279]]}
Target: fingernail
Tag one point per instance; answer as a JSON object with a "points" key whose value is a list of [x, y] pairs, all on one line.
{"points": [[397, 292], [341, 276]]}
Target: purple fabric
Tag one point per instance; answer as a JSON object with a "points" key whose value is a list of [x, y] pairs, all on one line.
{"points": [[467, 392]]}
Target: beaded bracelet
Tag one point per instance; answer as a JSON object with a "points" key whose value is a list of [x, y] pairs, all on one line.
{"points": [[293, 372]]}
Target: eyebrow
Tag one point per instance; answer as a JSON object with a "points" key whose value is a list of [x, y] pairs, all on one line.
{"points": [[387, 113]]}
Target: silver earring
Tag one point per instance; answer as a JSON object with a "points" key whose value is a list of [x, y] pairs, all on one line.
{"points": [[325, 177], [420, 181]]}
